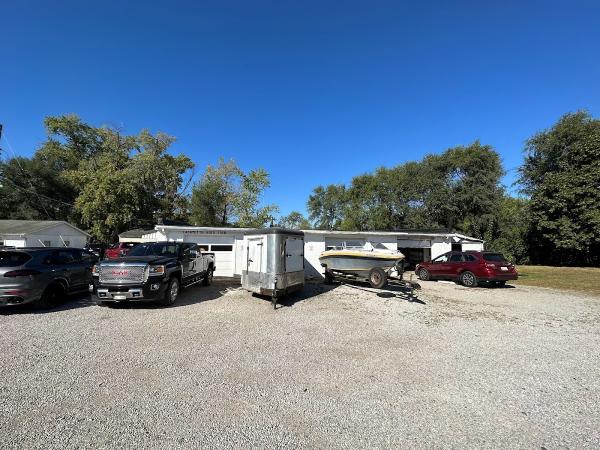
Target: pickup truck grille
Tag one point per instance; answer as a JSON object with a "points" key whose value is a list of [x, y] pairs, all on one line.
{"points": [[122, 274]]}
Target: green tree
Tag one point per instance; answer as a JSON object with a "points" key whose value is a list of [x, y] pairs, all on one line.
{"points": [[96, 178], [226, 196], [34, 188], [295, 221], [326, 206], [561, 174], [131, 182], [457, 189], [513, 229], [464, 191]]}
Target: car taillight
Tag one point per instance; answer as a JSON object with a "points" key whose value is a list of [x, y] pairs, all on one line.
{"points": [[21, 273]]}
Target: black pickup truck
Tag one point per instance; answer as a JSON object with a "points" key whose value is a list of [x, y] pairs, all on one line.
{"points": [[151, 272]]}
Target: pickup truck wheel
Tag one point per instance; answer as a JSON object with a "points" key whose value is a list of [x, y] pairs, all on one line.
{"points": [[207, 280], [172, 292]]}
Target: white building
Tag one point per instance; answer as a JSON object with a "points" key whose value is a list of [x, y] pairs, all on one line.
{"points": [[41, 233], [227, 244]]}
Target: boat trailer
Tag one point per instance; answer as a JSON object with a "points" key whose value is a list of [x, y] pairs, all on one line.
{"points": [[377, 277]]}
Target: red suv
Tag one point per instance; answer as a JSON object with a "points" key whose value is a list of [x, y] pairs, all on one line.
{"points": [[468, 268], [119, 249]]}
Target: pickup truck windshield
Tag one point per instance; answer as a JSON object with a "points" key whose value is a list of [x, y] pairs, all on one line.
{"points": [[156, 249]]}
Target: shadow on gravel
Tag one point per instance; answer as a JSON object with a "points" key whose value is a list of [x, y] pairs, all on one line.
{"points": [[189, 296], [310, 289], [73, 301], [391, 291]]}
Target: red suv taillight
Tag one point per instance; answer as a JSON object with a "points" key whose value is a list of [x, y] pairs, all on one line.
{"points": [[21, 273]]}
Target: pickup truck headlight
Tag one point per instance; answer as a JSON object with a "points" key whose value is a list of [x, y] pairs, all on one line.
{"points": [[157, 270], [95, 271]]}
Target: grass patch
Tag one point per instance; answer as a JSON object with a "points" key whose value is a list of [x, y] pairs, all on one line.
{"points": [[581, 279]]}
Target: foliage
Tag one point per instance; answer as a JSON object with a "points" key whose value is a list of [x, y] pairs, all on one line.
{"points": [[561, 174], [326, 206], [513, 225], [96, 178], [295, 221], [459, 189], [226, 196], [130, 183]]}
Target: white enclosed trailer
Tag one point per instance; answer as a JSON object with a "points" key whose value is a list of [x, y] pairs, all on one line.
{"points": [[274, 262]]}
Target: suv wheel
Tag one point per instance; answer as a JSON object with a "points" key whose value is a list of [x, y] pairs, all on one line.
{"points": [[424, 274], [468, 279], [172, 292], [51, 296]]}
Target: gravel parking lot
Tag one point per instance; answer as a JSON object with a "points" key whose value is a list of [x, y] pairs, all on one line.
{"points": [[336, 366]]}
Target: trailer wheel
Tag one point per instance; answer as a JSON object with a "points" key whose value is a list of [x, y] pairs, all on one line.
{"points": [[328, 277], [377, 278]]}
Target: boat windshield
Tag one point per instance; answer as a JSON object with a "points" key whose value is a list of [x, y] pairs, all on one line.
{"points": [[378, 246], [358, 245]]}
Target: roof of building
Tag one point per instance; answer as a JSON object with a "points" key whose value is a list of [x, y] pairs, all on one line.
{"points": [[135, 233], [409, 234], [24, 227]]}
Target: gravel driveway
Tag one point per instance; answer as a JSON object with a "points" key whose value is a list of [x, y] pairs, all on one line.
{"points": [[342, 367]]}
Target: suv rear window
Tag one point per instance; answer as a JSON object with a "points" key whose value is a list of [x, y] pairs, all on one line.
{"points": [[496, 257], [13, 259]]}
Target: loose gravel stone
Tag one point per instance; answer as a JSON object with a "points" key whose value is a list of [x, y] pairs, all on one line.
{"points": [[341, 366]]}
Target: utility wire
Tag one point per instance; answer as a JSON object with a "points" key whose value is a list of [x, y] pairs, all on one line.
{"points": [[26, 176]]}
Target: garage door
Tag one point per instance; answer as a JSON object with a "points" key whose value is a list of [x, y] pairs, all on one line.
{"points": [[223, 248]]}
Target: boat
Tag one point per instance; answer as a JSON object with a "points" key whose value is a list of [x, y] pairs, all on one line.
{"points": [[372, 262]]}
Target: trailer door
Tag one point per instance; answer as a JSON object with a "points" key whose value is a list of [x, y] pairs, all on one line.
{"points": [[294, 254], [255, 253]]}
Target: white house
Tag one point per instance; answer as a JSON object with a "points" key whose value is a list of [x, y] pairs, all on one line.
{"points": [[227, 244], [41, 233]]}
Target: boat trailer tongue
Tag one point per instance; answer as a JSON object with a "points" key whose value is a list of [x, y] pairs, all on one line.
{"points": [[396, 277]]}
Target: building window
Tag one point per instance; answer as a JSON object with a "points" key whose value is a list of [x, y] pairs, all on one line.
{"points": [[47, 243], [221, 248]]}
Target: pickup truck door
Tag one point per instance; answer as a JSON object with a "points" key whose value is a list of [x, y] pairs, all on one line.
{"points": [[188, 261], [200, 264]]}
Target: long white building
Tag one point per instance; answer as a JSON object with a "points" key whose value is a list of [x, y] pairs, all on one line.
{"points": [[227, 244]]}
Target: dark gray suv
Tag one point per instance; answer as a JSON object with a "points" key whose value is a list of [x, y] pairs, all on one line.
{"points": [[44, 275]]}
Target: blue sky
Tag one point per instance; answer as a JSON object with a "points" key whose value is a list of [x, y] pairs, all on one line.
{"points": [[314, 92]]}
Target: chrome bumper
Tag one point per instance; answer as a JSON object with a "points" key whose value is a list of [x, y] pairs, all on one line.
{"points": [[132, 293]]}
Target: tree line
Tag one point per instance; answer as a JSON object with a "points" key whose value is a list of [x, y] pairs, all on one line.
{"points": [[555, 221], [107, 182]]}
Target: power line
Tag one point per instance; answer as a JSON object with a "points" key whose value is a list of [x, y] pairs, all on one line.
{"points": [[25, 175], [31, 192]]}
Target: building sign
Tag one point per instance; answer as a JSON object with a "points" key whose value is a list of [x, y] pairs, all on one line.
{"points": [[203, 232]]}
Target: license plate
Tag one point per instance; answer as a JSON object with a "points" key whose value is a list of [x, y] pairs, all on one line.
{"points": [[119, 297], [504, 268]]}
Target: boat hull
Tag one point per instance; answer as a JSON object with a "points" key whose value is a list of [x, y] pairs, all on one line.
{"points": [[359, 265]]}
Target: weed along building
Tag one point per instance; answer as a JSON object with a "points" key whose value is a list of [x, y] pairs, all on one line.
{"points": [[41, 233], [227, 244]]}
